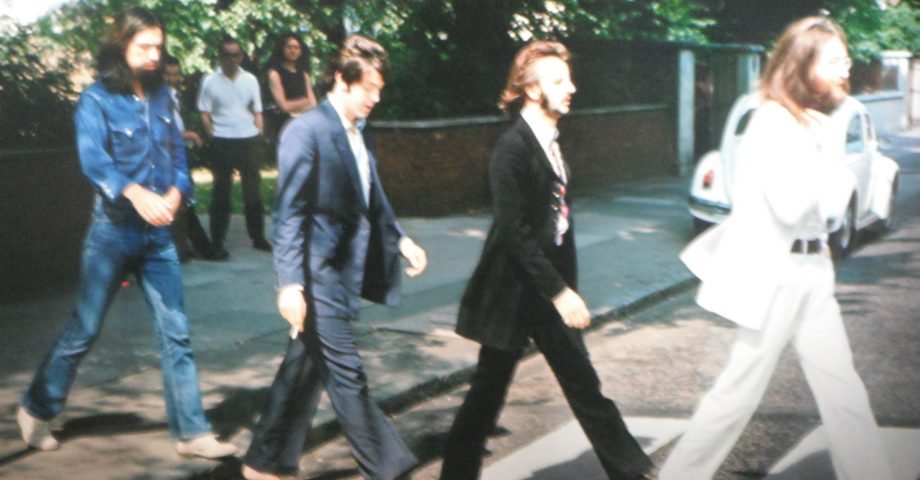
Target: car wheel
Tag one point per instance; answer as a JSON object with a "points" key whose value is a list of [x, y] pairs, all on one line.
{"points": [[843, 239], [888, 222], [699, 226]]}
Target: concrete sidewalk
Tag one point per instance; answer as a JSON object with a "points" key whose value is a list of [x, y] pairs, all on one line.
{"points": [[114, 425]]}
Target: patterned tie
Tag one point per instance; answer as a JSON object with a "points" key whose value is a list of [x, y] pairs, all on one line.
{"points": [[556, 160], [559, 192]]}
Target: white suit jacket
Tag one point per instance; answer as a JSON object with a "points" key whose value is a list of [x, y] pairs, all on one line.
{"points": [[783, 182]]}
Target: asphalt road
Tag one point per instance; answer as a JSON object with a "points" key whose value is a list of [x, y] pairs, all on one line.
{"points": [[656, 365]]}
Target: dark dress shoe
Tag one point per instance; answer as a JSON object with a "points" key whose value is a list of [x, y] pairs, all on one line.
{"points": [[261, 244], [217, 254]]}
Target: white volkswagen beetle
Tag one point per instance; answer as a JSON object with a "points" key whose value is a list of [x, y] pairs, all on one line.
{"points": [[851, 134]]}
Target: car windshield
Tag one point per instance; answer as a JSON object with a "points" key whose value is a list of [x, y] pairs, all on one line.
{"points": [[743, 122], [855, 135]]}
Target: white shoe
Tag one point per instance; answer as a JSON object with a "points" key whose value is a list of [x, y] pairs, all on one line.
{"points": [[205, 446], [250, 473], [35, 431]]}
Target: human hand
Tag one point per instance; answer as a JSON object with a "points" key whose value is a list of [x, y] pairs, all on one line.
{"points": [[154, 209], [572, 309], [292, 307], [174, 198], [418, 259], [193, 137]]}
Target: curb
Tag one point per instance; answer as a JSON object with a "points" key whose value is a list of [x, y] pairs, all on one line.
{"points": [[399, 402]]}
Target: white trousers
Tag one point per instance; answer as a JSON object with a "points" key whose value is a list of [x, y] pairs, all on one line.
{"points": [[805, 312]]}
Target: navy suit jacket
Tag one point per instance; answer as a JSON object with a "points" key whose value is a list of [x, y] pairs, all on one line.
{"points": [[326, 237]]}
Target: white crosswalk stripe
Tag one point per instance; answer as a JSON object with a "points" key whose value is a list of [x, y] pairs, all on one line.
{"points": [[566, 453]]}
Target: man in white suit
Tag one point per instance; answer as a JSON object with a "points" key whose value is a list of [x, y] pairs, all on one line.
{"points": [[768, 268]]}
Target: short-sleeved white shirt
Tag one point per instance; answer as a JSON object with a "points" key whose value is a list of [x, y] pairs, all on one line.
{"points": [[231, 103]]}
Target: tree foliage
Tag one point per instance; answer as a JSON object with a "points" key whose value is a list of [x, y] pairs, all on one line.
{"points": [[449, 57], [36, 95], [870, 27]]}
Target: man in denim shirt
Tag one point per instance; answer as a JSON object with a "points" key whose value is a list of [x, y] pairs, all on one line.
{"points": [[132, 153]]}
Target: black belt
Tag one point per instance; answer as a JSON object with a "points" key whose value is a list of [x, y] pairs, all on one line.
{"points": [[807, 246]]}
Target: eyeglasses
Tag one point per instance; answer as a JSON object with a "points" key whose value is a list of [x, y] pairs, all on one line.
{"points": [[231, 55], [842, 62]]}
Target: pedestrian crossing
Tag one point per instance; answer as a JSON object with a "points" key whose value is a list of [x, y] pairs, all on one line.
{"points": [[810, 458], [566, 453]]}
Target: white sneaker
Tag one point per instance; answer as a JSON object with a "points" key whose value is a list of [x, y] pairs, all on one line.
{"points": [[205, 446], [35, 431]]}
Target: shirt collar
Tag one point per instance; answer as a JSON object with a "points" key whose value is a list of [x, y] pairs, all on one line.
{"points": [[240, 71], [544, 132], [359, 122]]}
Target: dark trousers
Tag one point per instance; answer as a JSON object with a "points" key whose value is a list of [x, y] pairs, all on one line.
{"points": [[564, 350], [188, 233], [236, 154], [325, 356]]}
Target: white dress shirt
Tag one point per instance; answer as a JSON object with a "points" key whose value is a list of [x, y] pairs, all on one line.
{"points": [[546, 136], [358, 149]]}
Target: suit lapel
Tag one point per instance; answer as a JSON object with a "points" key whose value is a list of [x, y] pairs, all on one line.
{"points": [[346, 156], [531, 139]]}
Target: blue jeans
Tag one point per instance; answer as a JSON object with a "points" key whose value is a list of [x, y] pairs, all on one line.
{"points": [[113, 249]]}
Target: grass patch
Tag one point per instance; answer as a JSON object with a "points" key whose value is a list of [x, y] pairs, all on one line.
{"points": [[204, 188]]}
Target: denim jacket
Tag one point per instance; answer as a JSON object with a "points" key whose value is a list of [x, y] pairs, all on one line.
{"points": [[121, 141]]}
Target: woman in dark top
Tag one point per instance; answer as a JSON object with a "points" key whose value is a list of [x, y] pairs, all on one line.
{"points": [[289, 77]]}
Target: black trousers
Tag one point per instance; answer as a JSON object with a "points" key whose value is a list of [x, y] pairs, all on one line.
{"points": [[236, 154], [619, 453], [325, 356], [188, 233]]}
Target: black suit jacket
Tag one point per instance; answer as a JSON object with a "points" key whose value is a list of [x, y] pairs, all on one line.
{"points": [[326, 237], [521, 268]]}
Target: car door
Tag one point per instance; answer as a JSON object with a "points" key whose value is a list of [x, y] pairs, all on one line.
{"points": [[858, 160]]}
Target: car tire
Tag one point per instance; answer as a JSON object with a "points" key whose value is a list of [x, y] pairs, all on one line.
{"points": [[887, 223], [700, 226], [844, 238]]}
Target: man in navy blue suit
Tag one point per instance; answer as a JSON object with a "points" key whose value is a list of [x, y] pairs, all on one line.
{"points": [[336, 240]]}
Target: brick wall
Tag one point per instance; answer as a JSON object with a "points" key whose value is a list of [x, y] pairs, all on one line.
{"points": [[441, 167], [429, 168]]}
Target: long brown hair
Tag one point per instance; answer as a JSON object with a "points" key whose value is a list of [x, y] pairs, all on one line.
{"points": [[111, 64], [788, 78], [522, 72]]}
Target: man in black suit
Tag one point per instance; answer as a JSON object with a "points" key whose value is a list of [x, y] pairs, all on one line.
{"points": [[525, 283], [336, 240]]}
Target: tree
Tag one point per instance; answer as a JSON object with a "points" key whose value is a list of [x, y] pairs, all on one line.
{"points": [[869, 27], [36, 96], [449, 57]]}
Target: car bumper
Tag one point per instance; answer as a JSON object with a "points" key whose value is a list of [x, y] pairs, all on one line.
{"points": [[708, 210]]}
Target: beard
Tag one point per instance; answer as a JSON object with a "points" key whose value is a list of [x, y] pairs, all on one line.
{"points": [[150, 79], [827, 96], [552, 109]]}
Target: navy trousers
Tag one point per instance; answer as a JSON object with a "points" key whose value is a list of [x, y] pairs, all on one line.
{"points": [[325, 356]]}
